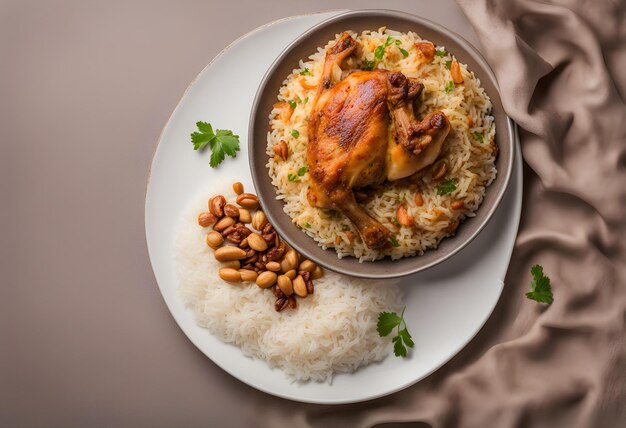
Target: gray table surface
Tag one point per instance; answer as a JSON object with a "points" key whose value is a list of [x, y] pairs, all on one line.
{"points": [[85, 88]]}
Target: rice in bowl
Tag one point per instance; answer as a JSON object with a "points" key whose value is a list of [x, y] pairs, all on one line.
{"points": [[437, 206]]}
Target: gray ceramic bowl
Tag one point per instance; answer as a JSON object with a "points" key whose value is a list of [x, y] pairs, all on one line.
{"points": [[266, 95]]}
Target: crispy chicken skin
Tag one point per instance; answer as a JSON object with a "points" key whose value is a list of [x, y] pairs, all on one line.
{"points": [[351, 144]]}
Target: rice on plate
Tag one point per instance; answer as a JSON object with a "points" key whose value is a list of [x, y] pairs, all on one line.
{"points": [[436, 202], [332, 331]]}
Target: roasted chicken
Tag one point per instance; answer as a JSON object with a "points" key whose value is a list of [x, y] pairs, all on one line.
{"points": [[351, 144]]}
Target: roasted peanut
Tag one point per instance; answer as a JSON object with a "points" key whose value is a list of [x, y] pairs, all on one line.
{"points": [[307, 266], [259, 220], [248, 275], [231, 210], [235, 264], [230, 274], [455, 71], [440, 169], [224, 254], [256, 242], [214, 239], [281, 150], [289, 261], [244, 215], [299, 286], [223, 224], [206, 219], [426, 49], [216, 205], [248, 200], [266, 279], [317, 273], [238, 188], [403, 216], [457, 204], [419, 199], [285, 285], [273, 266], [291, 274]]}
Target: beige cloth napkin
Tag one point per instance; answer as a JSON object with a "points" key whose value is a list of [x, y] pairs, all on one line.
{"points": [[561, 66]]}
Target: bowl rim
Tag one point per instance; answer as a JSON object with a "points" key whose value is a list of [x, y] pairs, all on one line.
{"points": [[272, 217]]}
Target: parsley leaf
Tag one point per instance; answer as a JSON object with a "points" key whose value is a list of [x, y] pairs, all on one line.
{"points": [[447, 186], [541, 291], [395, 221], [449, 87], [303, 170], [295, 133], [368, 65], [449, 64], [440, 53], [222, 142], [387, 322], [479, 136], [389, 41], [398, 42], [394, 241], [305, 225], [305, 72], [379, 52], [404, 53], [305, 100], [292, 103], [292, 177]]}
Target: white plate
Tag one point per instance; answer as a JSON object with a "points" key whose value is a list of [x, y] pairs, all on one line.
{"points": [[446, 305]]}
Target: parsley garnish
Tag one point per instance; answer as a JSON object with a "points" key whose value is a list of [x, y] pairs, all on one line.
{"points": [[448, 186], [449, 87], [305, 225], [394, 241], [295, 133], [541, 291], [387, 321], [440, 53], [292, 177], [368, 65], [303, 170], [449, 64], [222, 142], [305, 72], [479, 136], [305, 100], [292, 103], [395, 221], [379, 52], [404, 53]]}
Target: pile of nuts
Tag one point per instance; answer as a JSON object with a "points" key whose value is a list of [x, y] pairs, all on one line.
{"points": [[256, 254]]}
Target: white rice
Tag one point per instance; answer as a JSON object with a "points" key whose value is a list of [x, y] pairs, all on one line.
{"points": [[471, 161], [332, 331]]}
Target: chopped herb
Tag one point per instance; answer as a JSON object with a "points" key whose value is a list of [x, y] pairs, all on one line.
{"points": [[379, 52], [395, 221], [447, 186], [440, 53], [305, 225], [303, 170], [292, 103], [222, 142], [449, 64], [387, 321], [404, 53], [305, 72], [306, 100], [541, 291], [449, 87], [399, 198], [479, 136], [292, 177], [295, 133], [368, 65], [389, 41], [398, 42], [394, 241]]}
